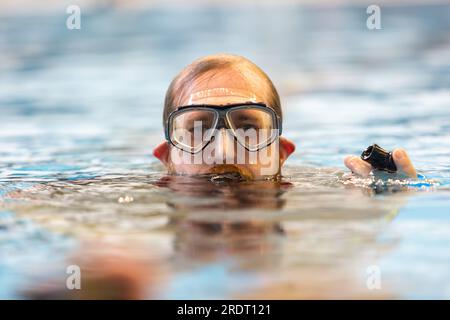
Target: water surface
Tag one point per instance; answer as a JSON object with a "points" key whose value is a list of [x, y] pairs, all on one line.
{"points": [[81, 111]]}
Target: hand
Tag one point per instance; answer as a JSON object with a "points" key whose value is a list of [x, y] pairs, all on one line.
{"points": [[363, 168]]}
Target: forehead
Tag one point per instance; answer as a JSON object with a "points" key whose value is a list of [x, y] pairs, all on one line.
{"points": [[227, 86], [222, 96]]}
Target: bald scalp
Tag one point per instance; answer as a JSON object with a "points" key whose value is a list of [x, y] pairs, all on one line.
{"points": [[241, 70]]}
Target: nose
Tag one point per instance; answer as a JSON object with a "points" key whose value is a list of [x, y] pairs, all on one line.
{"points": [[224, 148]]}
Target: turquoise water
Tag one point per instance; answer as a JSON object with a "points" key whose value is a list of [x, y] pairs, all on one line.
{"points": [[81, 111]]}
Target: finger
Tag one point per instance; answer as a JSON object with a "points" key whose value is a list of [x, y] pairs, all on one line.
{"points": [[358, 166], [403, 163]]}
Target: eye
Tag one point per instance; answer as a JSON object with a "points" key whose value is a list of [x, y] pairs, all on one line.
{"points": [[195, 126], [247, 124]]}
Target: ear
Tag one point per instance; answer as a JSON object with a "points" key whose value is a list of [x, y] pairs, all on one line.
{"points": [[161, 152], [287, 147]]}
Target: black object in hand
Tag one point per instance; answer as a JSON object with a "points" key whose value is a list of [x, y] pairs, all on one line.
{"points": [[379, 158]]}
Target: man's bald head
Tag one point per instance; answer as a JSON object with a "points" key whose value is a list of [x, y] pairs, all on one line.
{"points": [[221, 71]]}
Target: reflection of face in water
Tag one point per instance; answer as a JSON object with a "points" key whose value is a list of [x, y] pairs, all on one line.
{"points": [[223, 214], [219, 217], [227, 191]]}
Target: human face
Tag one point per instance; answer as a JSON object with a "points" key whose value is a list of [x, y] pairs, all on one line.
{"points": [[221, 92]]}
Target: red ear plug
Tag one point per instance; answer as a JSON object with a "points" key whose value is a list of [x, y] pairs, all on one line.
{"points": [[157, 153], [161, 151], [288, 146]]}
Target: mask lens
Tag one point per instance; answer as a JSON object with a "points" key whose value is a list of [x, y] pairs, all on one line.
{"points": [[191, 129], [253, 127]]}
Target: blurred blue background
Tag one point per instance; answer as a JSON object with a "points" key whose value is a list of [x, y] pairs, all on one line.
{"points": [[86, 104]]}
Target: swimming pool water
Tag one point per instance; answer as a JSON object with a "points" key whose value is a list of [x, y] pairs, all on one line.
{"points": [[81, 110]]}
